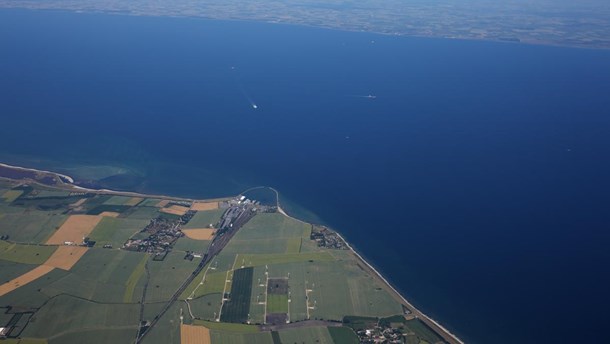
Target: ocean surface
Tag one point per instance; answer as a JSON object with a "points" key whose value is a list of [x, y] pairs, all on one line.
{"points": [[477, 181]]}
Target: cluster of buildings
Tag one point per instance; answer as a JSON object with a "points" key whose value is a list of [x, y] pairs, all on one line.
{"points": [[327, 238], [380, 335], [163, 233], [239, 211]]}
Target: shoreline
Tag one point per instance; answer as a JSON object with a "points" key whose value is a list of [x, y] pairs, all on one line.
{"points": [[394, 293], [437, 327], [521, 41], [72, 186]]}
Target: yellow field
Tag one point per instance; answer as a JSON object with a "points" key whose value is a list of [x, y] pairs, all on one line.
{"points": [[203, 206], [11, 195], [65, 257], [24, 279], [194, 335], [109, 214], [175, 210], [163, 203], [74, 229], [134, 200], [200, 233]]}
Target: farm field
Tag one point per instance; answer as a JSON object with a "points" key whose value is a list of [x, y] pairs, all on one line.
{"points": [[269, 271], [74, 229], [310, 335], [30, 295], [203, 206], [69, 314], [199, 233], [10, 195], [111, 282], [115, 231], [24, 279], [203, 219], [12, 270], [29, 226], [26, 254], [167, 275], [190, 334], [65, 257], [236, 309]]}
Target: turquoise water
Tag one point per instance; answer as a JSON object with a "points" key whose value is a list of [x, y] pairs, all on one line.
{"points": [[481, 168]]}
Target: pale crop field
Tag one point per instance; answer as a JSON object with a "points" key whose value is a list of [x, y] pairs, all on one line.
{"points": [[74, 229]]}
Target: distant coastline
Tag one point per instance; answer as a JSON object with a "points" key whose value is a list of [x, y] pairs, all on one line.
{"points": [[422, 22], [437, 327]]}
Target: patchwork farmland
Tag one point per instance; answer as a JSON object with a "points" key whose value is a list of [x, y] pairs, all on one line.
{"points": [[234, 271]]}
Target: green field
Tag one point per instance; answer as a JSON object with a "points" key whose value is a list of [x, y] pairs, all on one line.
{"points": [[30, 226], [206, 307], [68, 314], [268, 259], [237, 308], [167, 330], [293, 245], [277, 303], [11, 195], [11, 270], [308, 335], [343, 335], [187, 244], [97, 336], [142, 213], [116, 231], [101, 275], [222, 337], [133, 279], [273, 225], [263, 246], [214, 283], [167, 275], [341, 289], [31, 295], [421, 331], [227, 327], [108, 207], [24, 341], [117, 200], [203, 219], [25, 254]]}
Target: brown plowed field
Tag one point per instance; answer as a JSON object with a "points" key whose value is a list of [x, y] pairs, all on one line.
{"points": [[194, 335]]}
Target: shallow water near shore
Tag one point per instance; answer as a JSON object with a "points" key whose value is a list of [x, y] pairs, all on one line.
{"points": [[476, 181]]}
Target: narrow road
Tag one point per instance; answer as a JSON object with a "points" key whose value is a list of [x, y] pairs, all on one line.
{"points": [[215, 247]]}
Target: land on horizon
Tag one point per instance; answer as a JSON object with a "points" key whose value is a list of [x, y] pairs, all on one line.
{"points": [[584, 24]]}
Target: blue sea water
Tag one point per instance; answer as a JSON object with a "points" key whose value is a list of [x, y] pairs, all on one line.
{"points": [[477, 181]]}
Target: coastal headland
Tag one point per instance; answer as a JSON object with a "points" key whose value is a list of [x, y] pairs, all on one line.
{"points": [[257, 271]]}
